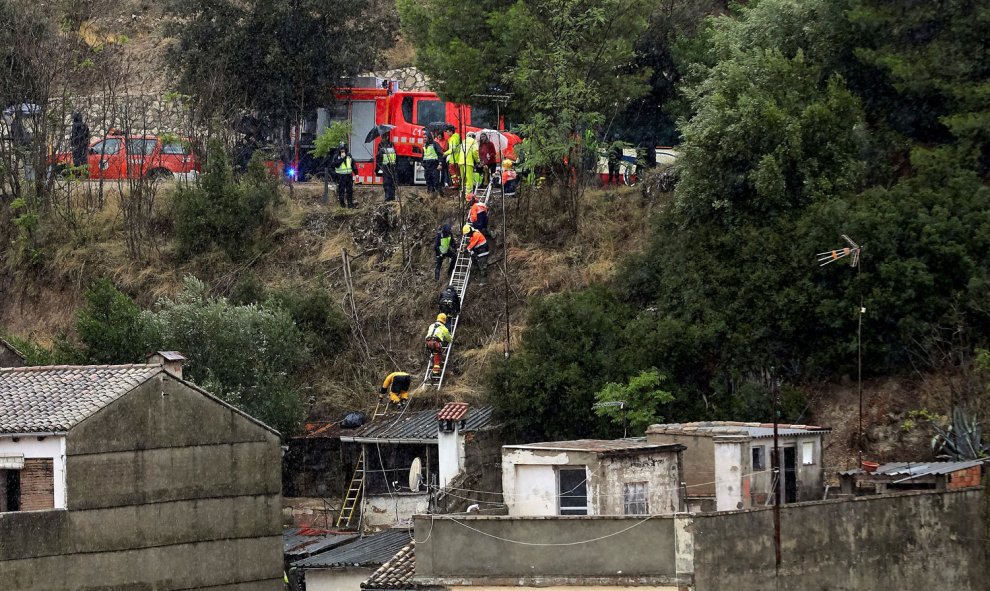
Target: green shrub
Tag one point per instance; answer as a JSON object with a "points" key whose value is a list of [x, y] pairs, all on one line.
{"points": [[112, 328], [325, 329], [224, 212]]}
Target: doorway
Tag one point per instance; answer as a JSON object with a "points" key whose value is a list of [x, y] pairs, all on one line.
{"points": [[790, 476]]}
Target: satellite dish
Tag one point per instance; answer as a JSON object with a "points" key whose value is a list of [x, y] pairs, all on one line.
{"points": [[414, 475]]}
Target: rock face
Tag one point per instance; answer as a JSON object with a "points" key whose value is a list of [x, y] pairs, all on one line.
{"points": [[136, 113], [409, 78]]}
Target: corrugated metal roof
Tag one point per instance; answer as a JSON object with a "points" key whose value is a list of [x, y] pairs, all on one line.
{"points": [[300, 542], [911, 470], [370, 551], [600, 445], [415, 427], [48, 399], [396, 573], [754, 430]]}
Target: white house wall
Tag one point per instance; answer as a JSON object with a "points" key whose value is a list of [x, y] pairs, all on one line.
{"points": [[385, 510], [336, 579], [529, 479], [51, 446]]}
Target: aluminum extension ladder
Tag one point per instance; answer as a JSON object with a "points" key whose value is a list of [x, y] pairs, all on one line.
{"points": [[459, 279], [354, 493]]}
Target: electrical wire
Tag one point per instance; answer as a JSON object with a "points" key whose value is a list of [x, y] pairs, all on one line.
{"points": [[556, 544]]}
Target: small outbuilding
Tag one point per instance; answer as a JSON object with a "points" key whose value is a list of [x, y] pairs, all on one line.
{"points": [[592, 477]]}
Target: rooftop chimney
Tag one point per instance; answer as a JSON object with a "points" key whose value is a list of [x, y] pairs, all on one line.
{"points": [[170, 360]]}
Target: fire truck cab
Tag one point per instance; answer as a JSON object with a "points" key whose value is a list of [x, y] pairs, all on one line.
{"points": [[374, 101]]}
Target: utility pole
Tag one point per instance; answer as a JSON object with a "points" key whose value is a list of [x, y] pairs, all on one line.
{"points": [[824, 258], [775, 390], [499, 100]]}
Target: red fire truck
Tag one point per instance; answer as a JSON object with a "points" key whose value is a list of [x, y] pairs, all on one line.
{"points": [[373, 101]]}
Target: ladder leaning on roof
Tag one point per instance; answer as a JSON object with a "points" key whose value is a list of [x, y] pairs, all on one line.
{"points": [[354, 493]]}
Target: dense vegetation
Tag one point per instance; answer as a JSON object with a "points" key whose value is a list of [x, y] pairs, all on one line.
{"points": [[808, 120]]}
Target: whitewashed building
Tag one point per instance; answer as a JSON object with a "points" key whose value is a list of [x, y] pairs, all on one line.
{"points": [[592, 477]]}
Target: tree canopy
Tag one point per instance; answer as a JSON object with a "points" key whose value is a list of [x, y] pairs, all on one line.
{"points": [[280, 58]]}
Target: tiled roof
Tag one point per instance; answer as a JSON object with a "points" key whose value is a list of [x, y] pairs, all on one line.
{"points": [[632, 444], [911, 470], [301, 542], [414, 427], [370, 551], [452, 411], [754, 430], [397, 573], [55, 398]]}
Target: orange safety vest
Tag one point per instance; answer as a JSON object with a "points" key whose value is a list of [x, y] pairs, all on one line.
{"points": [[477, 239], [475, 209]]}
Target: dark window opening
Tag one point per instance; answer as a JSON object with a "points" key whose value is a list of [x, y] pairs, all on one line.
{"points": [[407, 109], [428, 111], [759, 463], [484, 117], [572, 486], [10, 490], [111, 146], [140, 147], [174, 149]]}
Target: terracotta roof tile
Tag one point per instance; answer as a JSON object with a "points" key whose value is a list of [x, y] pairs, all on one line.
{"points": [[397, 573], [453, 411]]}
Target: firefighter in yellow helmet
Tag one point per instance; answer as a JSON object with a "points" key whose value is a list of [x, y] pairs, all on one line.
{"points": [[437, 339], [397, 386]]}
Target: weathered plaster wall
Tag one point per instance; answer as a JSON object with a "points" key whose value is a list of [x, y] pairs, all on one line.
{"points": [[165, 489], [529, 479], [914, 542], [386, 510], [659, 470], [698, 458], [644, 554]]}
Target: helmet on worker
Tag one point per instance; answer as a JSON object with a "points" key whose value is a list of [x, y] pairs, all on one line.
{"points": [[469, 198], [442, 318], [506, 164], [467, 229]]}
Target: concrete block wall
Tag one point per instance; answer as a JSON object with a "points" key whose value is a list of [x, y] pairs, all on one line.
{"points": [[166, 489], [909, 542], [491, 550]]}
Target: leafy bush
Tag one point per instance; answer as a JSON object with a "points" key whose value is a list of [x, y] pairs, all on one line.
{"points": [[637, 402], [112, 327], [221, 211], [325, 329], [250, 356]]}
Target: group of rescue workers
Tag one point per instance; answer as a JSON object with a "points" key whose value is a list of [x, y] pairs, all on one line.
{"points": [[445, 246], [446, 161]]}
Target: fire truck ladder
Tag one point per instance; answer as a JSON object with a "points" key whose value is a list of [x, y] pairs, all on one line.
{"points": [[354, 493]]}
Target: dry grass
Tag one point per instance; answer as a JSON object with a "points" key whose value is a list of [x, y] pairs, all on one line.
{"points": [[395, 298]]}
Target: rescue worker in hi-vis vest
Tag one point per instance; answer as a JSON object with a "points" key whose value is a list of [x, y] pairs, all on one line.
{"points": [[431, 164], [437, 338], [444, 246], [477, 246], [344, 169], [386, 166]]}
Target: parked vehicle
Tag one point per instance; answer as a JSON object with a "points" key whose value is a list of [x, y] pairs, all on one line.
{"points": [[371, 101], [119, 156]]}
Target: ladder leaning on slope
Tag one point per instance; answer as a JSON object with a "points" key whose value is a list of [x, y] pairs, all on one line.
{"points": [[459, 280]]}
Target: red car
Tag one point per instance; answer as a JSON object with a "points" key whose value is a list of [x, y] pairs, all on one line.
{"points": [[119, 156]]}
